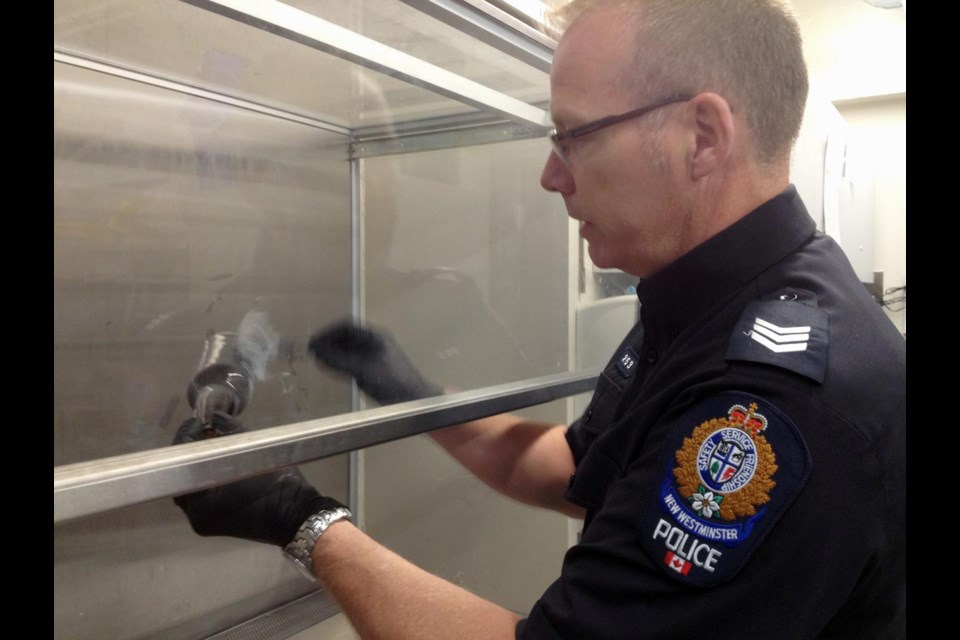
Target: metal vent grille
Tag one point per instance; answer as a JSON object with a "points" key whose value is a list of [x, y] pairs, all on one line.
{"points": [[284, 621]]}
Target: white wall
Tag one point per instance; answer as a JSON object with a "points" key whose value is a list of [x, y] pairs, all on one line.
{"points": [[856, 55], [854, 49], [878, 127]]}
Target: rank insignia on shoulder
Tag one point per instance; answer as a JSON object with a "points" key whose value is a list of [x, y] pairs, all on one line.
{"points": [[784, 333], [736, 464]]}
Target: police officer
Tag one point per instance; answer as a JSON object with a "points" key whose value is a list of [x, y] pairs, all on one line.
{"points": [[741, 467]]}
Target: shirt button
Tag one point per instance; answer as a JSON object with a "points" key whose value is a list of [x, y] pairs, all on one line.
{"points": [[652, 356]]}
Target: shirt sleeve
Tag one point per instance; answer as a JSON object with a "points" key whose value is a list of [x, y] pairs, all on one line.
{"points": [[722, 528]]}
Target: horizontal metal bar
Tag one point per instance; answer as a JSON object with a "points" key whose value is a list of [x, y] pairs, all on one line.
{"points": [[452, 139], [118, 71], [312, 31], [87, 488], [442, 132], [286, 620], [432, 125], [493, 27]]}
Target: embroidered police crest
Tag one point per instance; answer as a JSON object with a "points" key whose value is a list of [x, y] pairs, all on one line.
{"points": [[735, 464], [725, 468]]}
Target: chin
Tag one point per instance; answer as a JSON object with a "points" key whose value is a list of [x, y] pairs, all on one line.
{"points": [[606, 261], [602, 259]]}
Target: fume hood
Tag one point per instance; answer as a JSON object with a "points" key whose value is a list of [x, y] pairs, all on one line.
{"points": [[304, 162]]}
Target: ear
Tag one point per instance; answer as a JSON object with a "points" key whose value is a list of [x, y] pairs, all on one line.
{"points": [[713, 133]]}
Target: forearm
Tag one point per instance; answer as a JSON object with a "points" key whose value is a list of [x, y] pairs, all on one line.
{"points": [[527, 461], [384, 596]]}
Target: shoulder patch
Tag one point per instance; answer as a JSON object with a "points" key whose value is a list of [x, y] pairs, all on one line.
{"points": [[735, 464], [787, 334]]}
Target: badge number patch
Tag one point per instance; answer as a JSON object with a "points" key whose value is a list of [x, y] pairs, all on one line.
{"points": [[627, 361]]}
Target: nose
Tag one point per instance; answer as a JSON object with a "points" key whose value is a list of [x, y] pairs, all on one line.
{"points": [[556, 176]]}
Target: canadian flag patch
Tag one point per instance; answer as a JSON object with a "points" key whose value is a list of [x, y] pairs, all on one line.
{"points": [[677, 563]]}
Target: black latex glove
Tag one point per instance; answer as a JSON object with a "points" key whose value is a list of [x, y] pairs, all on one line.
{"points": [[265, 508], [380, 367]]}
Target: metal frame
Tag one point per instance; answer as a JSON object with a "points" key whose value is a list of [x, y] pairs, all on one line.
{"points": [[119, 71], [448, 139], [284, 621], [88, 488], [357, 297], [495, 27], [307, 29], [443, 132], [502, 118]]}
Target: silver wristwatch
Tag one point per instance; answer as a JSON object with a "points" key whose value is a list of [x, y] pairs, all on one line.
{"points": [[310, 531]]}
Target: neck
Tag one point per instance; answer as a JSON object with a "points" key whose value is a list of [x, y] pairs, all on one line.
{"points": [[724, 197]]}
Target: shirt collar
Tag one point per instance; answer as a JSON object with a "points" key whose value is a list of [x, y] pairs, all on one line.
{"points": [[676, 295]]}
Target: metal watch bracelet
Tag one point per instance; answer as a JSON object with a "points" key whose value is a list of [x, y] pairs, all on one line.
{"points": [[300, 549]]}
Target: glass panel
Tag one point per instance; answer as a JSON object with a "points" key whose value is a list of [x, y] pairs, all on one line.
{"points": [[406, 29], [224, 55], [175, 218], [466, 260], [178, 217], [142, 573], [466, 264]]}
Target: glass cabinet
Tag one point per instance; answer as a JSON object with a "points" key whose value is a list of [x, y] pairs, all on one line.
{"points": [[227, 165]]}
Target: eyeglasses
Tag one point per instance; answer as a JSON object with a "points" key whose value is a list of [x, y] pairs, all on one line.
{"points": [[561, 141]]}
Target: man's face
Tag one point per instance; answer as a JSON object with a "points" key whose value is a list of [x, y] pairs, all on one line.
{"points": [[621, 183]]}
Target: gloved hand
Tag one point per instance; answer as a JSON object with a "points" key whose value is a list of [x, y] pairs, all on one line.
{"points": [[266, 508], [380, 367]]}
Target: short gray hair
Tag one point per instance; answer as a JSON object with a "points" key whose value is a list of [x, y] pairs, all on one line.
{"points": [[748, 51]]}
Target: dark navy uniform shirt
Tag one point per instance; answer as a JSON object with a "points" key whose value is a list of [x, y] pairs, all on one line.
{"points": [[743, 459]]}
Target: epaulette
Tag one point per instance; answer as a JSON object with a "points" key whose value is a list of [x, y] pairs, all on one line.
{"points": [[786, 330]]}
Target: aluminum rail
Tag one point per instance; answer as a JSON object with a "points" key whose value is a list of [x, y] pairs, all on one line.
{"points": [[495, 27], [117, 70], [88, 488], [307, 29]]}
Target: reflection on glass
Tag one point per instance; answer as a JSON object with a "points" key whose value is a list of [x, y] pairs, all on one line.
{"points": [[466, 264], [177, 220]]}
